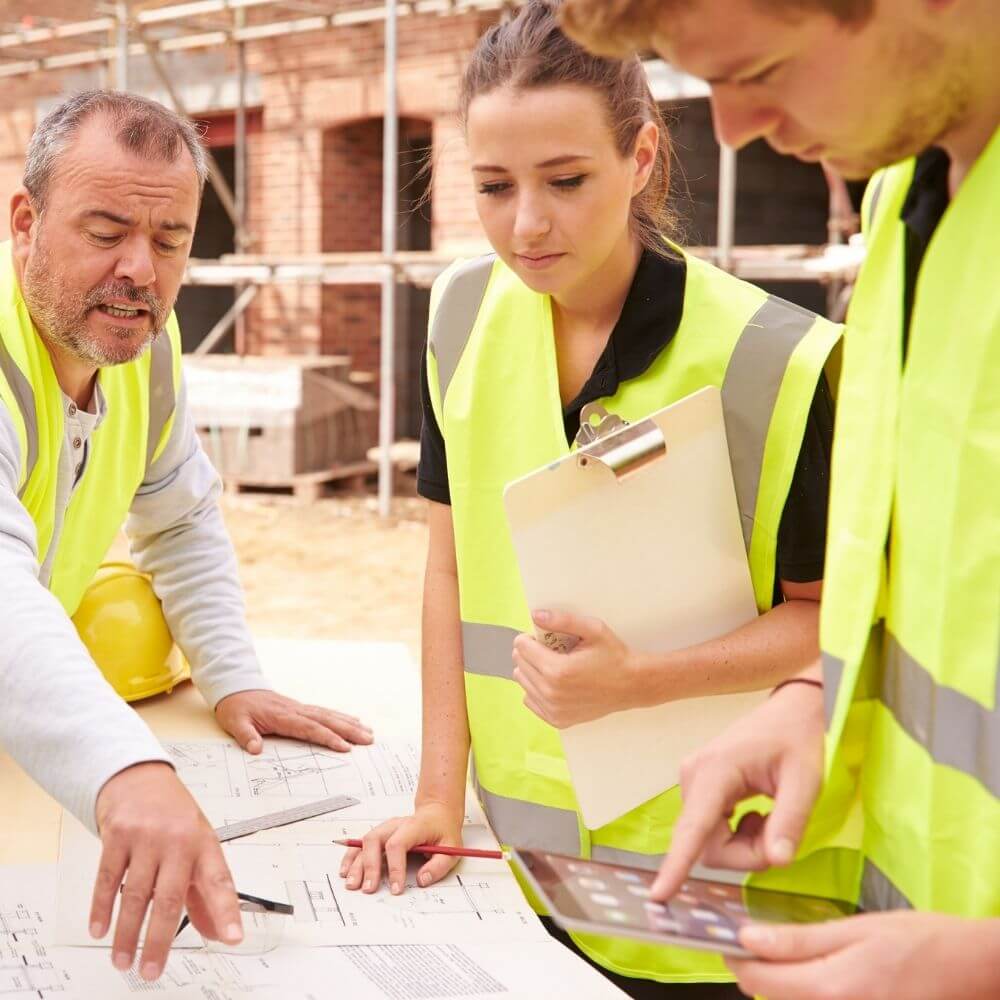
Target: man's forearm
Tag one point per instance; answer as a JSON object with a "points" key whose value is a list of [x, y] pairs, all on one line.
{"points": [[59, 718]]}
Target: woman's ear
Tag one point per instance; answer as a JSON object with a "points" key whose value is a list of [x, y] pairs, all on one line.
{"points": [[647, 143]]}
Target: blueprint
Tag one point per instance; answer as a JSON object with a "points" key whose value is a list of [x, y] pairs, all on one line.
{"points": [[31, 968], [478, 901], [231, 784], [27, 967]]}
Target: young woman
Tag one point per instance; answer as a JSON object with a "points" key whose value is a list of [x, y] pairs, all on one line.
{"points": [[586, 299]]}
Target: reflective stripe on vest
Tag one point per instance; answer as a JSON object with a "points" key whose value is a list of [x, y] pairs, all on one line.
{"points": [[956, 730], [25, 397], [527, 824], [873, 201], [878, 892], [865, 684], [488, 649], [833, 677], [162, 395], [457, 314], [750, 391]]}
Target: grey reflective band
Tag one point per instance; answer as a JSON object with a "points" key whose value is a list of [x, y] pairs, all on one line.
{"points": [[878, 892], [833, 675], [873, 202], [518, 823], [750, 391], [651, 862], [618, 856], [162, 394], [487, 650], [456, 315], [25, 396], [956, 730]]}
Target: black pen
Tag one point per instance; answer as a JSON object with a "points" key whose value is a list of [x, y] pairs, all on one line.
{"points": [[257, 905]]}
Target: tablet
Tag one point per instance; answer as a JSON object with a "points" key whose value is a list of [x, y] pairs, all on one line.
{"points": [[594, 897]]}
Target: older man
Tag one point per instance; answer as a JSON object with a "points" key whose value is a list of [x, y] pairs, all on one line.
{"points": [[94, 428], [911, 89]]}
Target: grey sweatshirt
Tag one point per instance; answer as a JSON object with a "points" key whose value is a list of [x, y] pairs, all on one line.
{"points": [[59, 718]]}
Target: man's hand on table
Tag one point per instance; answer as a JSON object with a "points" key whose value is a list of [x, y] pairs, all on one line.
{"points": [[249, 715], [156, 838]]}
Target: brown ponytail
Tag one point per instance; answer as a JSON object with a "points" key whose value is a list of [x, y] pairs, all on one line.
{"points": [[532, 51]]}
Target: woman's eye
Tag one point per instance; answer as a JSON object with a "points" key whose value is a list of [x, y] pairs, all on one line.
{"points": [[104, 238], [569, 182], [496, 187], [167, 247]]}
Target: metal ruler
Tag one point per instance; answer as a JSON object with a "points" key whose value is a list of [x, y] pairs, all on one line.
{"points": [[294, 814]]}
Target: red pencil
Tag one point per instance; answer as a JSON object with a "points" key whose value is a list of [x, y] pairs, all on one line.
{"points": [[454, 852]]}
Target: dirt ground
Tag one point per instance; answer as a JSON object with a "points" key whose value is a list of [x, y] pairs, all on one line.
{"points": [[331, 569]]}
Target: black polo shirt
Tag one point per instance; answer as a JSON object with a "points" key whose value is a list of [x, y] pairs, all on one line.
{"points": [[925, 204], [649, 319]]}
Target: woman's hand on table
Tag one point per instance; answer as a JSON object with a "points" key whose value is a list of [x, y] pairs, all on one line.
{"points": [[431, 823], [597, 676]]}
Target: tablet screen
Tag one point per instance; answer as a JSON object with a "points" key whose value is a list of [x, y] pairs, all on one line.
{"points": [[705, 911]]}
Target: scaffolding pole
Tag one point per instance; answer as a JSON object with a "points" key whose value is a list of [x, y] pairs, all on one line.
{"points": [[215, 175], [122, 45], [727, 206], [240, 168], [240, 152], [390, 198]]}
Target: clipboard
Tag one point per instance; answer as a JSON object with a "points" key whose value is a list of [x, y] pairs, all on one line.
{"points": [[639, 527]]}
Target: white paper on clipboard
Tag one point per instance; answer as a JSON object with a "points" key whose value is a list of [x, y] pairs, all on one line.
{"points": [[659, 556]]}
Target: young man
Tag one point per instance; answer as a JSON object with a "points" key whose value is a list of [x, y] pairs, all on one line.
{"points": [[94, 427], [910, 622]]}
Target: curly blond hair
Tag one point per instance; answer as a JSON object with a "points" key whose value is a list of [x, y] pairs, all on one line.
{"points": [[620, 27]]}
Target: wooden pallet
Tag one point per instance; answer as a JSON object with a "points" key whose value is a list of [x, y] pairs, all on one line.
{"points": [[308, 486]]}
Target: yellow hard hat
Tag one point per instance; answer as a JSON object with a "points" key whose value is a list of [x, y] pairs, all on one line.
{"points": [[120, 621]]}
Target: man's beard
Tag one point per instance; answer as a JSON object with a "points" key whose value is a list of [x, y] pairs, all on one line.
{"points": [[936, 103], [61, 315]]}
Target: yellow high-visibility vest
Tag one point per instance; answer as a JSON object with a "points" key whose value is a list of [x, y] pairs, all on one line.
{"points": [[917, 465], [495, 393], [141, 397]]}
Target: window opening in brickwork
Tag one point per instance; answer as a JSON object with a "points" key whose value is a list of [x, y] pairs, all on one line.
{"points": [[200, 307]]}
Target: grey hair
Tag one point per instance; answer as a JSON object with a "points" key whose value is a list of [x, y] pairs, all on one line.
{"points": [[140, 125]]}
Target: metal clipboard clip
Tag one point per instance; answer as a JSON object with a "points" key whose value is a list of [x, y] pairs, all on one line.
{"points": [[620, 447]]}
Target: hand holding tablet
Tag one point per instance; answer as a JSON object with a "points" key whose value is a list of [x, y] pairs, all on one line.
{"points": [[614, 900]]}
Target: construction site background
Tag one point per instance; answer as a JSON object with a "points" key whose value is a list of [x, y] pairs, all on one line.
{"points": [[313, 111], [314, 103]]}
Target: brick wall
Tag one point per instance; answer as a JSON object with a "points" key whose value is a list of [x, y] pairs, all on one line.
{"points": [[316, 168]]}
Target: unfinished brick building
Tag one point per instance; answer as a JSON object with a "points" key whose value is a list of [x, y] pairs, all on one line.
{"points": [[314, 103]]}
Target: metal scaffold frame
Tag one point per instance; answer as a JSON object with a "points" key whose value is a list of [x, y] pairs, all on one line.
{"points": [[124, 31]]}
